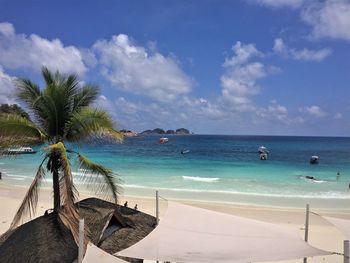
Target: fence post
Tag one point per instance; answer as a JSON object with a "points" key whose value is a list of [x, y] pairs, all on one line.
{"points": [[157, 207], [81, 241], [157, 211], [346, 251], [306, 237]]}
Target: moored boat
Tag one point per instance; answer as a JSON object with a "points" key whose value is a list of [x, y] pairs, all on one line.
{"points": [[163, 140], [263, 149], [19, 150], [314, 159]]}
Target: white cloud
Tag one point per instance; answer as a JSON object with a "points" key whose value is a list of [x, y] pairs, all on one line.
{"points": [[303, 54], [277, 112], [279, 46], [7, 88], [238, 82], [242, 53], [128, 107], [7, 29], [311, 55], [314, 111], [338, 116], [201, 108], [270, 112], [134, 69], [19, 51], [280, 3], [328, 19]]}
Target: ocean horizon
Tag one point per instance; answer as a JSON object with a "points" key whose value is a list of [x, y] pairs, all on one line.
{"points": [[217, 168]]}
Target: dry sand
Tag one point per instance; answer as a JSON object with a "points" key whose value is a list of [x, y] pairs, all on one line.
{"points": [[322, 234]]}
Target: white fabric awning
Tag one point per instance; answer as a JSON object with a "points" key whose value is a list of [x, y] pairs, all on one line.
{"points": [[94, 254], [342, 224], [190, 234]]}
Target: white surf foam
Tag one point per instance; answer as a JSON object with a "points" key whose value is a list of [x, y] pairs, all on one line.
{"points": [[322, 195], [317, 181], [200, 179]]}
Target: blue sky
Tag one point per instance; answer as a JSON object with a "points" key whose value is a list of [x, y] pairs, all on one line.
{"points": [[274, 67]]}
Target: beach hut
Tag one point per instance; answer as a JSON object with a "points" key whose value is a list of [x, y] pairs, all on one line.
{"points": [[46, 239]]}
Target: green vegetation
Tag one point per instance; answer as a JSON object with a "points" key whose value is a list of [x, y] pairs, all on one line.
{"points": [[6, 109], [62, 113]]}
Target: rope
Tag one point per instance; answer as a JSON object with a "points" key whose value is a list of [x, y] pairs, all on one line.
{"points": [[332, 253], [163, 198], [316, 214]]}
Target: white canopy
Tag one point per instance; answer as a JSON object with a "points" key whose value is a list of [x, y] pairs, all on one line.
{"points": [[190, 234], [342, 224], [96, 255]]}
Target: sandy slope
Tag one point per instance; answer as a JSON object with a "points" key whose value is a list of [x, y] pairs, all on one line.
{"points": [[322, 234]]}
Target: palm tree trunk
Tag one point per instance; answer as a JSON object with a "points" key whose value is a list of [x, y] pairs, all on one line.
{"points": [[56, 192], [54, 167]]}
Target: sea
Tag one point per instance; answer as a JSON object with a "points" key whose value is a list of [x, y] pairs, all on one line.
{"points": [[215, 168]]}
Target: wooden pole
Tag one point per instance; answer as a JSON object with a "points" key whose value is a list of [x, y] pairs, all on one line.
{"points": [[306, 237], [157, 207], [81, 241], [346, 251], [157, 211]]}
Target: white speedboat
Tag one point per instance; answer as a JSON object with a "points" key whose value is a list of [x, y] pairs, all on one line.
{"points": [[163, 140], [314, 159], [20, 150], [263, 149]]}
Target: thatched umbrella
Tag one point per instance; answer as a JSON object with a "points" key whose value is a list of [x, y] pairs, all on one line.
{"points": [[46, 238]]}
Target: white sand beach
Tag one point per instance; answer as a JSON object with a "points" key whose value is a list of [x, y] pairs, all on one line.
{"points": [[322, 234]]}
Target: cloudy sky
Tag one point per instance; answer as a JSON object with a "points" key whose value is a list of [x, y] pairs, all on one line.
{"points": [[274, 67]]}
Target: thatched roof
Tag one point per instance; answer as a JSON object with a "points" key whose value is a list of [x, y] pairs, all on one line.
{"points": [[127, 236], [46, 239]]}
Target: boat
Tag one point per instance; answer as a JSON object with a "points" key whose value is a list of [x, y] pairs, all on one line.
{"points": [[20, 150], [263, 156], [314, 159], [263, 149], [185, 151], [163, 140], [310, 177]]}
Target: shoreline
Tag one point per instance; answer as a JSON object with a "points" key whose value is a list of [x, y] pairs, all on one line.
{"points": [[244, 200], [322, 234]]}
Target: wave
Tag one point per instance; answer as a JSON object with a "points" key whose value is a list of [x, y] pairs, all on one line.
{"points": [[323, 195], [200, 179], [18, 178], [317, 181]]}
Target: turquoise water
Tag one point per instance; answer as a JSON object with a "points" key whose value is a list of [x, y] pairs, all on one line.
{"points": [[220, 169]]}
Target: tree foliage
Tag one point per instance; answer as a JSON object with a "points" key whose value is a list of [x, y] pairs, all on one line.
{"points": [[62, 112]]}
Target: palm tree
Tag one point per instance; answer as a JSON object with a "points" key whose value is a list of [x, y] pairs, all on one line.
{"points": [[61, 113]]}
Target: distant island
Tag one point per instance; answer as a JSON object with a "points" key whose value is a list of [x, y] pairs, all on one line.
{"points": [[128, 133], [180, 131]]}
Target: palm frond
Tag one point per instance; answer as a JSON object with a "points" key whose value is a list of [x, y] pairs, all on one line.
{"points": [[68, 213], [48, 76], [71, 85], [20, 129], [85, 97], [99, 178], [30, 93], [27, 91], [30, 201], [88, 122]]}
